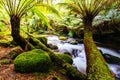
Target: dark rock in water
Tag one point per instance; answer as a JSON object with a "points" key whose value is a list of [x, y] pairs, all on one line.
{"points": [[73, 42], [118, 51], [100, 51], [111, 59], [117, 76], [80, 40], [74, 52], [52, 46]]}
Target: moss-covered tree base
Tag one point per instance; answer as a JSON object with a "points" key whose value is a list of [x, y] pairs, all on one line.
{"points": [[97, 68]]}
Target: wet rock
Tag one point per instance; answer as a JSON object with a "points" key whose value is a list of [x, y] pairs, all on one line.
{"points": [[118, 51], [111, 59], [80, 40], [73, 42], [52, 46], [74, 52], [117, 77], [100, 51]]}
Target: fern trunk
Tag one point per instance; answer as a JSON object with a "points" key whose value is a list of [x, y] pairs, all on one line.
{"points": [[15, 24], [97, 68]]}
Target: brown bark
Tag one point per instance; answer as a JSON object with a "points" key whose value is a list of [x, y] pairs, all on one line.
{"points": [[15, 24], [97, 68]]}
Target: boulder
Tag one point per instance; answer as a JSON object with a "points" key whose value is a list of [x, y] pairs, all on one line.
{"points": [[66, 58], [32, 61], [111, 59], [73, 42], [52, 46]]}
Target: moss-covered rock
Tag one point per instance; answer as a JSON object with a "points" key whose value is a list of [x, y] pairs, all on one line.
{"points": [[67, 53], [32, 61], [66, 58], [63, 38], [41, 39]]}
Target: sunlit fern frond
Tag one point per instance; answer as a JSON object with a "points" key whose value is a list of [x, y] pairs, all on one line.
{"points": [[42, 17], [87, 9], [18, 7], [48, 8]]}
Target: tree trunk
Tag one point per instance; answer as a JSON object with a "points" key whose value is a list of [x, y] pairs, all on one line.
{"points": [[15, 24], [97, 68]]}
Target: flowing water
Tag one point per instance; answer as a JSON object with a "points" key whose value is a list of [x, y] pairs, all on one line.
{"points": [[78, 54]]}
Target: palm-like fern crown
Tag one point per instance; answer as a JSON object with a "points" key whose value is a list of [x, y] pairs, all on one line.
{"points": [[88, 9], [18, 7]]}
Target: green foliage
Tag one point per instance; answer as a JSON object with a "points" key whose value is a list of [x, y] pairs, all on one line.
{"points": [[18, 7], [4, 43], [5, 61], [66, 58], [32, 61]]}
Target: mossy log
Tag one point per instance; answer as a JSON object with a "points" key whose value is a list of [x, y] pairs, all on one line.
{"points": [[71, 71], [97, 68]]}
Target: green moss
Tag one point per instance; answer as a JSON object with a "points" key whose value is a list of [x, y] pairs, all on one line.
{"points": [[63, 38], [4, 43], [66, 58], [5, 61], [97, 68], [32, 61], [42, 39]]}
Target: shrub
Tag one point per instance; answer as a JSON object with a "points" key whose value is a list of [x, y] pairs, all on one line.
{"points": [[66, 58], [32, 61]]}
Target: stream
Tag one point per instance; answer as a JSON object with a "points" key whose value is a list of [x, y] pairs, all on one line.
{"points": [[78, 54]]}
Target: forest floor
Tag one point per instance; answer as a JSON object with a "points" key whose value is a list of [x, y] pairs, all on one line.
{"points": [[7, 71]]}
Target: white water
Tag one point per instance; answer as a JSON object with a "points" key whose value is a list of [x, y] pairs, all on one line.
{"points": [[80, 60]]}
